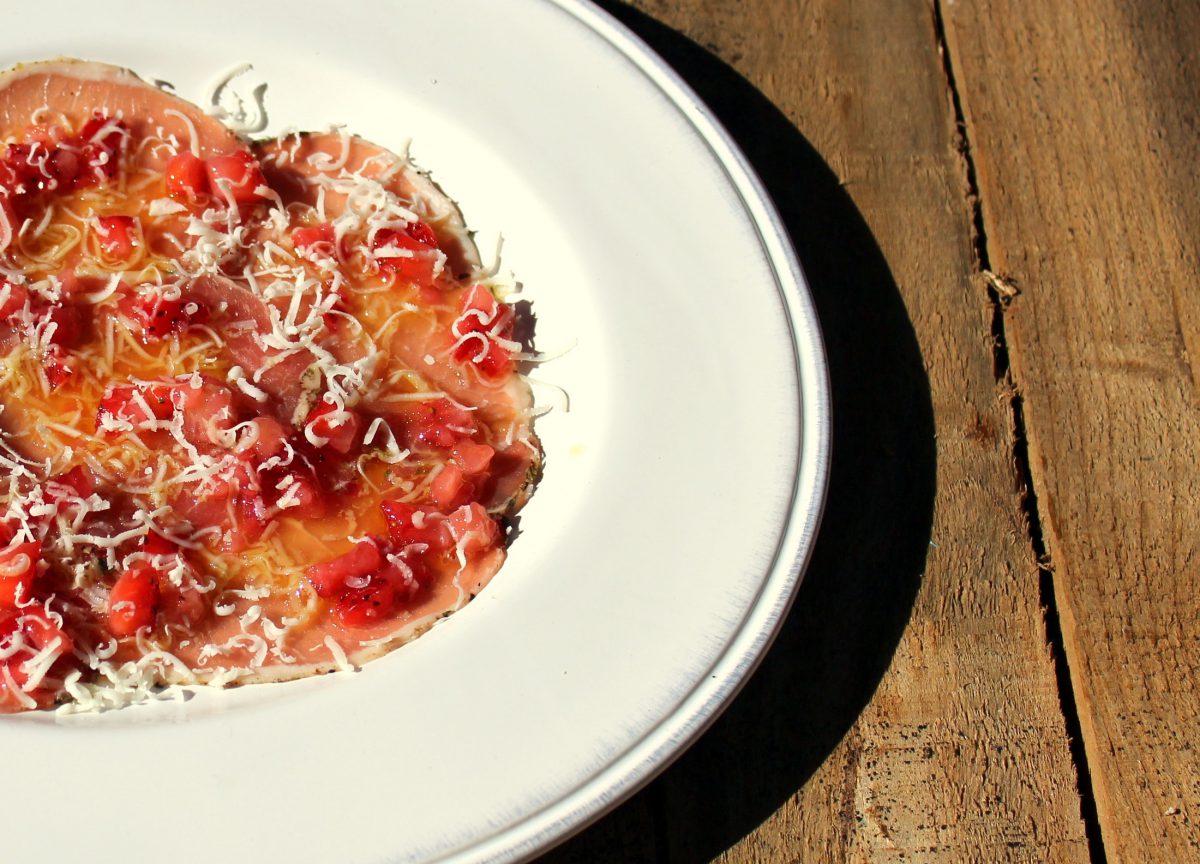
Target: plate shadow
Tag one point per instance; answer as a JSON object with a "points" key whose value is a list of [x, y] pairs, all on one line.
{"points": [[859, 590]]}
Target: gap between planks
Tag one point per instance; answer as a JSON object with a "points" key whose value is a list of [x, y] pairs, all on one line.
{"points": [[1001, 292]]}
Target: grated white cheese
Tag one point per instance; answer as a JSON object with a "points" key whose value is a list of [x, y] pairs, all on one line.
{"points": [[339, 655]]}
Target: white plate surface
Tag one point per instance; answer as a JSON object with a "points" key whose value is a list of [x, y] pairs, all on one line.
{"points": [[681, 494]]}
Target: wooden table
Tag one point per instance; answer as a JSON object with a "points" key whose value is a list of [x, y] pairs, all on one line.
{"points": [[992, 657]]}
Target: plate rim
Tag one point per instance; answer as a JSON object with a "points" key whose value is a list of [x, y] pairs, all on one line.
{"points": [[593, 793], [667, 740]]}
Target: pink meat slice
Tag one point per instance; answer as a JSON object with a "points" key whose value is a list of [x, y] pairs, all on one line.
{"points": [[283, 379], [289, 162], [76, 88]]}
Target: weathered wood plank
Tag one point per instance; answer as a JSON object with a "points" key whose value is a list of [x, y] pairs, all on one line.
{"points": [[1083, 118], [909, 710]]}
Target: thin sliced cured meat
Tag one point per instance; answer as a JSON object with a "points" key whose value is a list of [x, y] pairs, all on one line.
{"points": [[341, 177], [281, 375], [261, 411], [292, 162], [50, 91]]}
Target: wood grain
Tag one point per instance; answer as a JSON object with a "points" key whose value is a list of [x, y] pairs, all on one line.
{"points": [[1082, 117], [909, 710]]}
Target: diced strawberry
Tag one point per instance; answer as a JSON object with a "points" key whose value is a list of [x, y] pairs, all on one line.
{"points": [[18, 568], [481, 333], [41, 631], [158, 316], [47, 161], [136, 403], [65, 165], [450, 488], [75, 481], [329, 578], [471, 457], [12, 298], [56, 367], [473, 530], [337, 429], [496, 363], [479, 309], [132, 601], [179, 604], [409, 258], [263, 438], [409, 524], [157, 545], [67, 321], [187, 179], [302, 495], [372, 603], [103, 131], [249, 522], [434, 423], [422, 233], [117, 236], [318, 239], [236, 175], [38, 631], [34, 168], [8, 204], [101, 143]]}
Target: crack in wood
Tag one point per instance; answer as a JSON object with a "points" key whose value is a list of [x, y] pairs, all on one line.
{"points": [[1001, 292]]}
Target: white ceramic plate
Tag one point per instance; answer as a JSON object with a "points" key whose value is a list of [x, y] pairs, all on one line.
{"points": [[681, 494]]}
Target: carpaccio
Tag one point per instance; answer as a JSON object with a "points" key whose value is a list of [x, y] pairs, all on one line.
{"points": [[261, 417]]}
